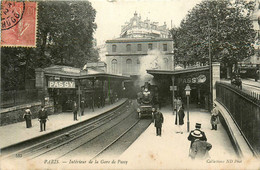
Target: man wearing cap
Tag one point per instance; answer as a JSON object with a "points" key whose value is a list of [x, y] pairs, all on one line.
{"points": [[158, 121], [199, 148]]}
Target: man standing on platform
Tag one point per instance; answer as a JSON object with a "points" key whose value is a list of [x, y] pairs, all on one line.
{"points": [[82, 106], [42, 117], [158, 121], [214, 120], [75, 110], [179, 119]]}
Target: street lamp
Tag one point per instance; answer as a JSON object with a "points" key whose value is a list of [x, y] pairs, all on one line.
{"points": [[187, 90]]}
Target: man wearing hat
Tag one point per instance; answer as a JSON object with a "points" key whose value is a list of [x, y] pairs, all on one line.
{"points": [[197, 128], [158, 120], [199, 148], [43, 116]]}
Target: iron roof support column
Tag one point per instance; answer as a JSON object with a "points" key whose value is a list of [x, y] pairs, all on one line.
{"points": [[173, 95]]}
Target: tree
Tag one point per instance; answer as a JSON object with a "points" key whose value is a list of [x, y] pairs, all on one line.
{"points": [[224, 25], [64, 36]]}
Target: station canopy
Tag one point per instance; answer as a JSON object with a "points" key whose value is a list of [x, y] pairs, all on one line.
{"points": [[78, 73], [169, 73]]}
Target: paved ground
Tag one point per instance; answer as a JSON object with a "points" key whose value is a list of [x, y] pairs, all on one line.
{"points": [[171, 150], [17, 132]]}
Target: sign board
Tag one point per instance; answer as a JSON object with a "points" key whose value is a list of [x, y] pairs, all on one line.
{"points": [[195, 79], [175, 88], [61, 84]]}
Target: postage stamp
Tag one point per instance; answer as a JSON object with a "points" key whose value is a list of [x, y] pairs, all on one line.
{"points": [[18, 24]]}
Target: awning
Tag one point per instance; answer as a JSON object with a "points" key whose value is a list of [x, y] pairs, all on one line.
{"points": [[77, 73], [179, 71]]}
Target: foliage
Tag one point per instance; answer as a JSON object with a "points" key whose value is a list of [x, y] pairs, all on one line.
{"points": [[227, 26], [64, 36]]}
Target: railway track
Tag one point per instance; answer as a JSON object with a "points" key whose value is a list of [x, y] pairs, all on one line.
{"points": [[101, 136], [111, 141], [39, 148]]}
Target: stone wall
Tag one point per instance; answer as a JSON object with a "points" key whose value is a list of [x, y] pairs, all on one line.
{"points": [[15, 114]]}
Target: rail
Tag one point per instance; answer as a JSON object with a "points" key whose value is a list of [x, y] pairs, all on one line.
{"points": [[245, 111]]}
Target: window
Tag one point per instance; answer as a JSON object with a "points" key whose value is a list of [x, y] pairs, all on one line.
{"points": [[114, 66], [164, 47], [139, 47], [113, 48], [150, 46], [128, 47], [128, 66], [138, 61], [166, 63]]}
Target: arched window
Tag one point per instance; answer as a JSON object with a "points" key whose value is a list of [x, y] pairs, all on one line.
{"points": [[139, 47], [128, 66], [128, 47], [114, 66], [113, 48], [166, 63]]}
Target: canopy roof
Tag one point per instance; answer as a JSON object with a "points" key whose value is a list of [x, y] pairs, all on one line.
{"points": [[77, 73], [176, 72]]}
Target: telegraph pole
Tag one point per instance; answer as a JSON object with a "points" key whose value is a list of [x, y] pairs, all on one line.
{"points": [[210, 68]]}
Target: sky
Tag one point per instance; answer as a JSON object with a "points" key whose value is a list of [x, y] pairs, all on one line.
{"points": [[112, 15]]}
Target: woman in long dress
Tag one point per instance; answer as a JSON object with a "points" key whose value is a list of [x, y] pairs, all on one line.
{"points": [[28, 118]]}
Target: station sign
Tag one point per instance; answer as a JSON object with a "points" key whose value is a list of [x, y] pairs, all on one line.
{"points": [[196, 79], [174, 87], [61, 84]]}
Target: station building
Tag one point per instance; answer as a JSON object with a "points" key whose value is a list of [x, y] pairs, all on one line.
{"points": [[138, 39], [62, 85]]}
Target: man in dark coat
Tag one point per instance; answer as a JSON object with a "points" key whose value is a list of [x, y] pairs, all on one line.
{"points": [[82, 106], [43, 116], [192, 138], [180, 116], [75, 110], [158, 121]]}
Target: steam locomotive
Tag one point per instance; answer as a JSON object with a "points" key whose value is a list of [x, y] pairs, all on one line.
{"points": [[147, 100]]}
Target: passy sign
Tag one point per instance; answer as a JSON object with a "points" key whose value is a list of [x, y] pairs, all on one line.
{"points": [[61, 84]]}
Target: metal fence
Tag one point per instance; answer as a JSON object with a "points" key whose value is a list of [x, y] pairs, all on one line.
{"points": [[17, 97], [245, 111]]}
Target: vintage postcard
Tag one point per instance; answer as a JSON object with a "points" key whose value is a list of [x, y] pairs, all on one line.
{"points": [[130, 84]]}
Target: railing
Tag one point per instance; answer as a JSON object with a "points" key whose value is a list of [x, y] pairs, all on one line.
{"points": [[17, 97], [245, 111]]}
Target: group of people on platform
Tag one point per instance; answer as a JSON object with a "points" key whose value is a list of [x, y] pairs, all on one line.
{"points": [[43, 114], [199, 147], [42, 118]]}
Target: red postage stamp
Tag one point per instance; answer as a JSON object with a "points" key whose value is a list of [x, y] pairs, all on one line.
{"points": [[18, 24]]}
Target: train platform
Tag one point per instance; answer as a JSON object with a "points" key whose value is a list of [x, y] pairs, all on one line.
{"points": [[17, 132], [252, 82], [170, 151]]}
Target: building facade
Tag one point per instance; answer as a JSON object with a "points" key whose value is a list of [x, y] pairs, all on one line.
{"points": [[142, 45], [127, 56], [136, 28]]}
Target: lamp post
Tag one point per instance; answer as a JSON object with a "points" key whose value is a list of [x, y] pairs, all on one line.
{"points": [[187, 90]]}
